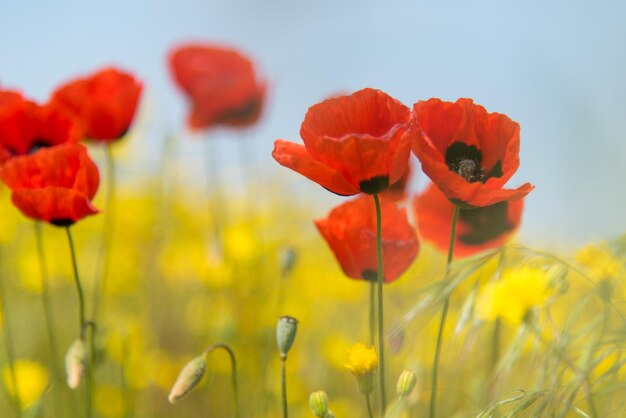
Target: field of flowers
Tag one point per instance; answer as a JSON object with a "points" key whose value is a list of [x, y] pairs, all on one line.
{"points": [[124, 297]]}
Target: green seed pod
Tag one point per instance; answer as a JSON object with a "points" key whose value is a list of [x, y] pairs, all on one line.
{"points": [[188, 378], [318, 401], [286, 334], [406, 383], [75, 363]]}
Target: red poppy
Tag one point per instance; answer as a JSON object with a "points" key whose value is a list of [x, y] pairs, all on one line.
{"points": [[468, 153], [350, 231], [55, 184], [352, 144], [105, 103], [26, 126], [398, 190], [477, 230], [220, 84]]}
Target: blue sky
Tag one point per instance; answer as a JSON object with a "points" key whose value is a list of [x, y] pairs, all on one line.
{"points": [[556, 67]]}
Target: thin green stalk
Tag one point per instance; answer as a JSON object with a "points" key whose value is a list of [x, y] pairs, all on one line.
{"points": [[372, 312], [17, 403], [283, 385], [444, 314], [83, 324], [369, 406], [233, 363], [381, 333], [104, 255], [495, 355]]}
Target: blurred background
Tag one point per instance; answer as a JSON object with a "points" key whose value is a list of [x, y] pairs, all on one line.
{"points": [[556, 67]]}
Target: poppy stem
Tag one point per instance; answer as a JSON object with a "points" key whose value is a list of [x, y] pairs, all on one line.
{"points": [[372, 312], [370, 414], [283, 384], [17, 403], [381, 334], [104, 255], [444, 314], [233, 363], [83, 323]]}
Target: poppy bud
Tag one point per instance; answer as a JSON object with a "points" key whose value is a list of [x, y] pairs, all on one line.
{"points": [[318, 401], [188, 378], [406, 383], [330, 414], [76, 363], [286, 334]]}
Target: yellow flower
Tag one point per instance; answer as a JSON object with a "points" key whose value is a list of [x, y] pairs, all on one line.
{"points": [[518, 291], [598, 261], [361, 359], [32, 380]]}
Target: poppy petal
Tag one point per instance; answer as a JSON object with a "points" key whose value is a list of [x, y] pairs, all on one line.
{"points": [[53, 204], [296, 157]]}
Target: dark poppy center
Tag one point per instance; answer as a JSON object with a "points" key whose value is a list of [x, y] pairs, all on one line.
{"points": [[370, 275], [61, 222], [241, 114], [465, 160], [39, 144], [485, 223], [374, 185]]}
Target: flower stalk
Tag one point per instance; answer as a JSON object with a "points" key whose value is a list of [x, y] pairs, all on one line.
{"points": [[381, 334]]}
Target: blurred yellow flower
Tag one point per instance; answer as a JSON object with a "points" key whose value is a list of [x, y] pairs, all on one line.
{"points": [[109, 401], [32, 380], [599, 261], [361, 359], [518, 291]]}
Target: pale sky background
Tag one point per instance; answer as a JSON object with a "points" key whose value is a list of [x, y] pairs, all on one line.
{"points": [[556, 67]]}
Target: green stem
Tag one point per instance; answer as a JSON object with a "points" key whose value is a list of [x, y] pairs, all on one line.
{"points": [[17, 403], [283, 384], [83, 323], [444, 314], [233, 363], [381, 333], [369, 406], [104, 256], [372, 312]]}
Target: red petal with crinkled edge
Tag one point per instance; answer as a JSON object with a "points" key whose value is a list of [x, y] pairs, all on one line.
{"points": [[440, 124], [53, 204], [433, 212], [350, 231], [295, 157]]}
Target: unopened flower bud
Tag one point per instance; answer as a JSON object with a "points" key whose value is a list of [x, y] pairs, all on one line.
{"points": [[75, 363], [406, 383], [318, 401], [286, 334], [330, 414], [188, 378]]}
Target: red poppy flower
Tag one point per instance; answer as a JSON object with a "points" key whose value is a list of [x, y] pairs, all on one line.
{"points": [[26, 127], [105, 103], [220, 84], [477, 230], [352, 144], [55, 184], [398, 190], [350, 231], [468, 153]]}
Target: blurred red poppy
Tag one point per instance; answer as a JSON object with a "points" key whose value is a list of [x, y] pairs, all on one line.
{"points": [[350, 231], [352, 144], [105, 103], [468, 153], [55, 184], [220, 83], [26, 127], [477, 230]]}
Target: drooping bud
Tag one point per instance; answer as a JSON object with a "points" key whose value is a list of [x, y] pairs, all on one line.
{"points": [[318, 401], [406, 383], [188, 378], [286, 334], [75, 363]]}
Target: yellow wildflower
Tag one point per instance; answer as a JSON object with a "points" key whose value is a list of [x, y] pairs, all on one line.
{"points": [[599, 261], [518, 291], [32, 380], [361, 359]]}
